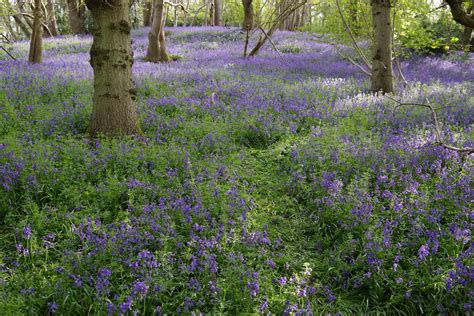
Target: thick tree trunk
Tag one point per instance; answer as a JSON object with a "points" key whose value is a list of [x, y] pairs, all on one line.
{"points": [[76, 16], [147, 13], [217, 12], [382, 77], [247, 24], [206, 12], [156, 51], [53, 26], [35, 54], [114, 111]]}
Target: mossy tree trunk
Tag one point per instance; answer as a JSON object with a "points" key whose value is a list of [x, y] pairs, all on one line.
{"points": [[156, 51], [247, 24], [114, 112], [35, 54], [382, 76]]}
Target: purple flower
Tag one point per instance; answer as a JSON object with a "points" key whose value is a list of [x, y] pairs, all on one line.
{"points": [[126, 305], [27, 232], [53, 307], [140, 288], [423, 252], [263, 306]]}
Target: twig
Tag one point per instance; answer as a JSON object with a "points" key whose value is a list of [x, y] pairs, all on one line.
{"points": [[180, 5], [439, 141], [271, 42], [349, 31], [367, 72], [7, 52]]}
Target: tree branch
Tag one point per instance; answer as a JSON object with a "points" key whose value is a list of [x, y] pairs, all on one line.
{"points": [[460, 14], [439, 141]]}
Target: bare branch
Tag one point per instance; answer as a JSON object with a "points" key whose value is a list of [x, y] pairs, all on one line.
{"points": [[439, 141]]}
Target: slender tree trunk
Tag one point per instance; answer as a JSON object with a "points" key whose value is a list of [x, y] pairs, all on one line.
{"points": [[22, 10], [36, 44], [185, 17], [206, 13], [382, 77], [53, 26], [217, 12], [22, 25], [114, 111], [147, 13], [156, 51], [76, 16], [175, 14], [247, 24]]}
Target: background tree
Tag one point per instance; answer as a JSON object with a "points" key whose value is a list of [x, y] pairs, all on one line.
{"points": [[460, 13], [77, 16], [382, 77], [35, 54], [147, 11], [114, 111], [217, 12], [247, 24], [156, 51]]}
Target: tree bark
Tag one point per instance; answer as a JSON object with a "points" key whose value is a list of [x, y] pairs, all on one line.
{"points": [[114, 112], [382, 77], [460, 14], [76, 16], [156, 51], [247, 24], [53, 26], [217, 12], [35, 54], [147, 13]]}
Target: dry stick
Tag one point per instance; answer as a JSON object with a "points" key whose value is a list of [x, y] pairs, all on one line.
{"points": [[288, 11], [367, 72], [397, 61], [8, 53], [466, 150], [349, 31], [271, 42], [180, 5]]}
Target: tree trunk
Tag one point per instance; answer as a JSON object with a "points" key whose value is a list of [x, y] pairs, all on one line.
{"points": [[53, 26], [460, 14], [114, 111], [382, 77], [467, 40], [247, 24], [156, 51], [147, 13], [22, 25], [76, 16], [217, 12], [35, 54], [206, 12], [21, 7]]}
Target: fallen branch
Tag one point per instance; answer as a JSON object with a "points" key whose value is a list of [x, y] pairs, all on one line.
{"points": [[439, 141]]}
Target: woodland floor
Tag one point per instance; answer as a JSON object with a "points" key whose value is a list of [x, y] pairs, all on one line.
{"points": [[274, 184]]}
